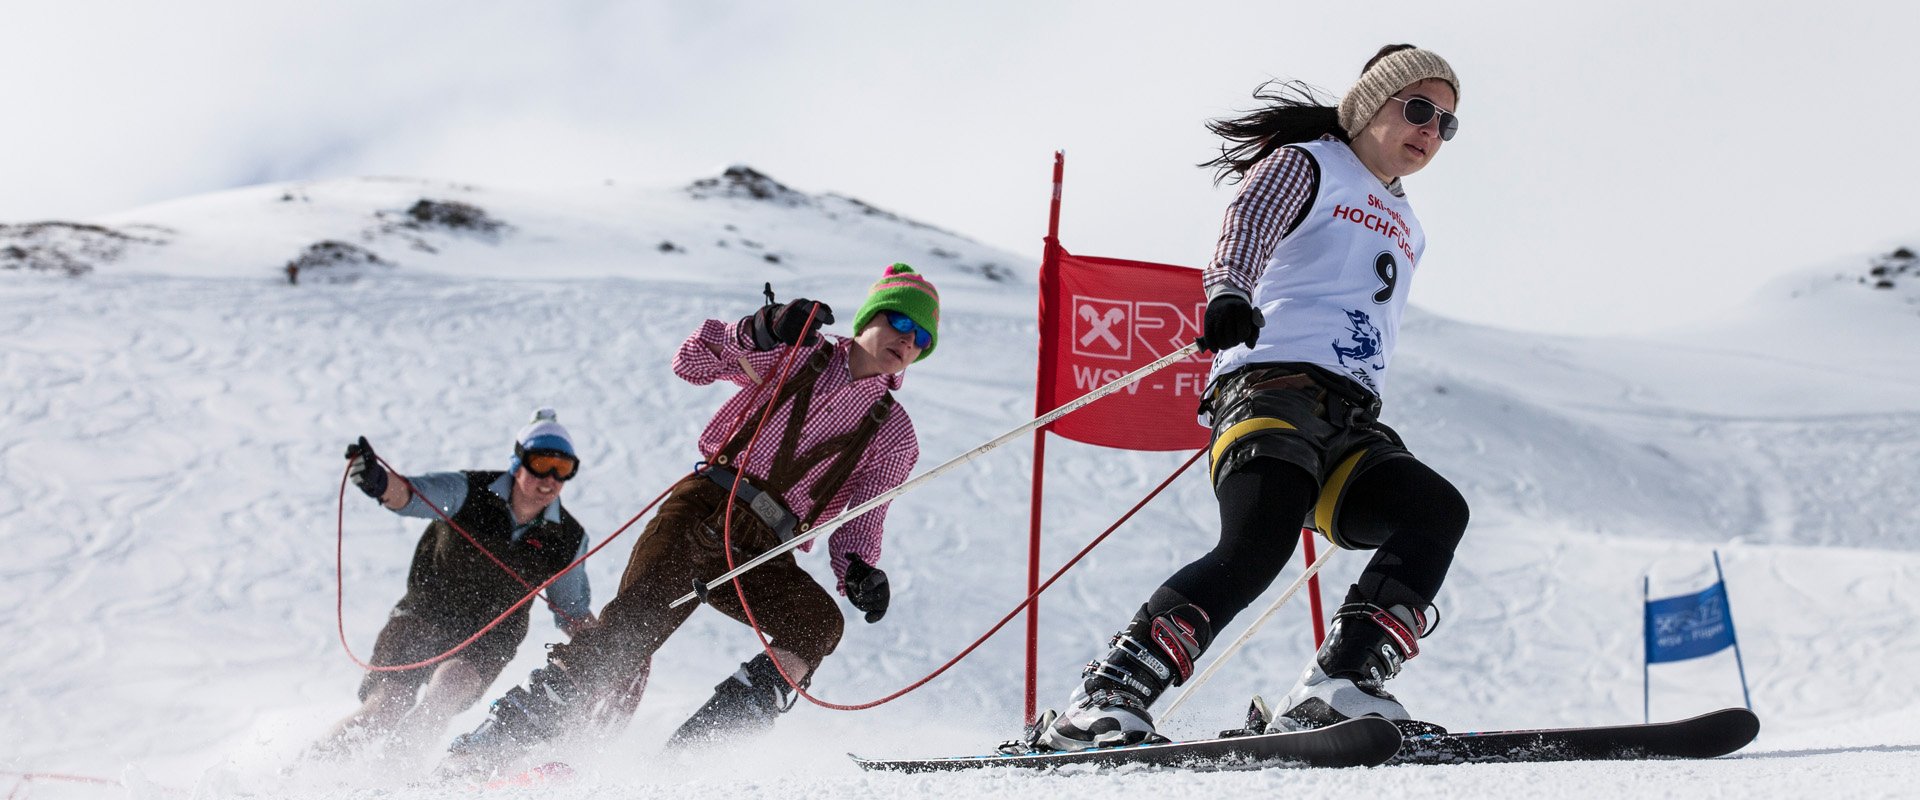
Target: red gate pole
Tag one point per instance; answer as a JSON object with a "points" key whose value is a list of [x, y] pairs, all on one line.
{"points": [[1042, 403], [1313, 591]]}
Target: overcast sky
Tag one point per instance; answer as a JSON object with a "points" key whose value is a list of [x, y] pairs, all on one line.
{"points": [[1620, 165]]}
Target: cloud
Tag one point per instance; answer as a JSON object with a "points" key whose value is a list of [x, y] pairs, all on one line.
{"points": [[1606, 148]]}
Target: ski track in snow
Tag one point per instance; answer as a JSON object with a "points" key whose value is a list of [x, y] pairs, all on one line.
{"points": [[171, 449]]}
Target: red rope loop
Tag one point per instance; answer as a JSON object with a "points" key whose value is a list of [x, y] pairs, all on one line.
{"points": [[782, 372], [767, 646], [533, 591], [339, 607]]}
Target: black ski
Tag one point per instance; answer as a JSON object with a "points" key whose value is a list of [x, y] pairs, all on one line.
{"points": [[1709, 735], [1354, 743]]}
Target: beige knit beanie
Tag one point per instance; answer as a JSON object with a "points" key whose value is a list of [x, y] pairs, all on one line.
{"points": [[1390, 74]]}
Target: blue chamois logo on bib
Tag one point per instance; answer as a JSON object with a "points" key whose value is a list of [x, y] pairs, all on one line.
{"points": [[1366, 339]]}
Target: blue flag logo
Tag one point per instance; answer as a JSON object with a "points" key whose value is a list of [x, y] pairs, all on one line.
{"points": [[1690, 626]]}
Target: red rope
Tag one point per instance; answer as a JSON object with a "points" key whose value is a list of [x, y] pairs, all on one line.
{"points": [[21, 780], [767, 646], [533, 591], [783, 373], [339, 606]]}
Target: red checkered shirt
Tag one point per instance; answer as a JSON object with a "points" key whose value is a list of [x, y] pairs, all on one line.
{"points": [[1273, 193], [722, 351]]}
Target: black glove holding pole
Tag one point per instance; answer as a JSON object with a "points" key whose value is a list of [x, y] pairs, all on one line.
{"points": [[365, 470], [867, 588], [1230, 321], [787, 323]]}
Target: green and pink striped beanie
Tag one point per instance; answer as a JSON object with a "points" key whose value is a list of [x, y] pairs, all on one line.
{"points": [[903, 290]]}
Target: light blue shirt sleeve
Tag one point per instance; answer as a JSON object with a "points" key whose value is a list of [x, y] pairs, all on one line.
{"points": [[445, 490], [571, 594]]}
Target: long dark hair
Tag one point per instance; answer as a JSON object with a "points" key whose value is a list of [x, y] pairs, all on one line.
{"points": [[1295, 112]]}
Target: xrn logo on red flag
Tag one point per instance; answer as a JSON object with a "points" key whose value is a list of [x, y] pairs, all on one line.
{"points": [[1108, 317], [1095, 323]]}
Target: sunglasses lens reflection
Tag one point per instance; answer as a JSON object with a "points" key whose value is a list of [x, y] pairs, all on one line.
{"points": [[1419, 111], [903, 323]]}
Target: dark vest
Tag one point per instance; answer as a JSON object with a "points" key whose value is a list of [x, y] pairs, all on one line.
{"points": [[452, 579]]}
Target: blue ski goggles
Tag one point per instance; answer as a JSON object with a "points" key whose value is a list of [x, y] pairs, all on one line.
{"points": [[905, 324]]}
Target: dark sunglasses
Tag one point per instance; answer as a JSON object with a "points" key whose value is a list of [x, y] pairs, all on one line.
{"points": [[1420, 111], [904, 324], [549, 464]]}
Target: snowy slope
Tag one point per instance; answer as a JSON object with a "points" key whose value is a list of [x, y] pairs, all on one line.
{"points": [[170, 445]]}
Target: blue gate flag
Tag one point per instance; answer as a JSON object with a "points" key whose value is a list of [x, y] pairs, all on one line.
{"points": [[1689, 626]]}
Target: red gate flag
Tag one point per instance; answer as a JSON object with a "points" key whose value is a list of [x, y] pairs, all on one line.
{"points": [[1101, 318]]}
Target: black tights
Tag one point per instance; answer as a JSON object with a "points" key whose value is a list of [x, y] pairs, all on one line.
{"points": [[1409, 512]]}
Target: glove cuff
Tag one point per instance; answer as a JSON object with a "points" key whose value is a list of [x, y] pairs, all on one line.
{"points": [[1227, 289]]}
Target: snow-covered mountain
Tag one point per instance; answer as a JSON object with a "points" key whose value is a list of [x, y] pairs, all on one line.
{"points": [[175, 410]]}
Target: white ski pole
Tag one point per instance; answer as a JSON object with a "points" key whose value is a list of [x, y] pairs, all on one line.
{"points": [[1312, 570], [1119, 383]]}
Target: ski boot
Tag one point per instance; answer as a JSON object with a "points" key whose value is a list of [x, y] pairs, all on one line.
{"points": [[517, 721], [747, 702], [1347, 678], [1110, 706]]}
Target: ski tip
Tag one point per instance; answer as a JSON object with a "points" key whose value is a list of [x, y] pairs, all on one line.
{"points": [[1368, 723], [1384, 736], [1740, 726], [878, 764], [884, 765], [1709, 735], [1737, 713]]}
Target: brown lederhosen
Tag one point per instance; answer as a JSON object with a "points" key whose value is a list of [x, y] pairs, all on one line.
{"points": [[682, 544]]}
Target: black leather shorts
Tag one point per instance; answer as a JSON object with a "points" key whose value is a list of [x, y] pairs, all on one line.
{"points": [[1306, 416]]}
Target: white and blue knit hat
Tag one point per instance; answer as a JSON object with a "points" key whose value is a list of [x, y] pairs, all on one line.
{"points": [[545, 433]]}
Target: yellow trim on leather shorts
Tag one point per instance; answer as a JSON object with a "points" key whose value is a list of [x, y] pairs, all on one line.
{"points": [[1239, 430], [1330, 496]]}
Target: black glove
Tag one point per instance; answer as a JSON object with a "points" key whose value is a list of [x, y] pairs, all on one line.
{"points": [[365, 471], [787, 323], [1230, 321], [867, 588]]}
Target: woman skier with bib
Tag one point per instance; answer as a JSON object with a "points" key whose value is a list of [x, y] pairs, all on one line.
{"points": [[1321, 244]]}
